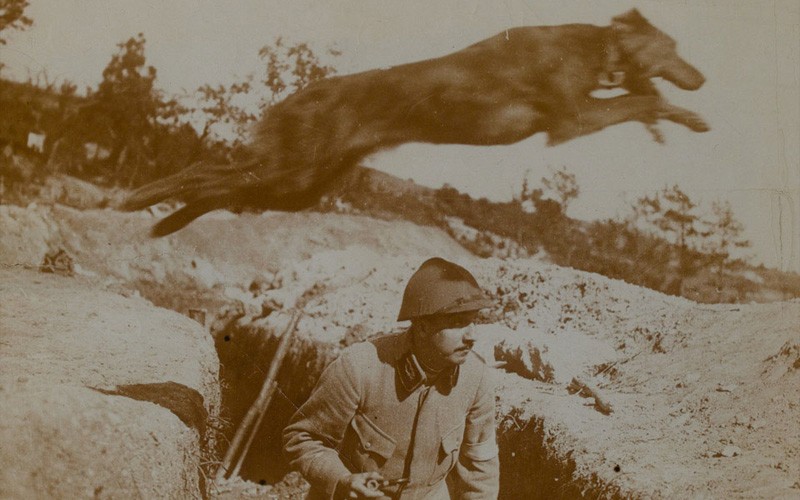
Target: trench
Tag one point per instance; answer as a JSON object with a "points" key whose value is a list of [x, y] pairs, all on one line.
{"points": [[245, 353], [530, 468]]}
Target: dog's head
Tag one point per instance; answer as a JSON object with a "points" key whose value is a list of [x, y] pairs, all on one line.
{"points": [[653, 52]]}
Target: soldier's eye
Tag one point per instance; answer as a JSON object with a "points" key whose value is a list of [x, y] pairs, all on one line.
{"points": [[461, 323]]}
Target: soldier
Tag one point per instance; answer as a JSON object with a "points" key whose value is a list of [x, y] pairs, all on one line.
{"points": [[409, 415]]}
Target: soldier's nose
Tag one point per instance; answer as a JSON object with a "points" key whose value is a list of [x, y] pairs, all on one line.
{"points": [[469, 334]]}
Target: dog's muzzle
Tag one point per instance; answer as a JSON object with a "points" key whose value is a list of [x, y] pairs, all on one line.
{"points": [[611, 79]]}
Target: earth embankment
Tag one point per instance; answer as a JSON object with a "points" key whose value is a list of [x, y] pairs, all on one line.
{"points": [[605, 389]]}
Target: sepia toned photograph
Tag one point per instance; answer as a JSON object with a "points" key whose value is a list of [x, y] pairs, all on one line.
{"points": [[363, 249]]}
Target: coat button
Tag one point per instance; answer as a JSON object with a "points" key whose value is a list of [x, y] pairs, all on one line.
{"points": [[367, 445]]}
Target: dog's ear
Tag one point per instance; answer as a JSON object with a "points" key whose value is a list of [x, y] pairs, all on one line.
{"points": [[629, 21]]}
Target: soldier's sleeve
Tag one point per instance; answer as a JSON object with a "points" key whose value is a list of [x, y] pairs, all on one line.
{"points": [[311, 439], [478, 467]]}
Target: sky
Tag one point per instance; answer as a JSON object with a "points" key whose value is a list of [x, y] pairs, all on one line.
{"points": [[749, 52]]}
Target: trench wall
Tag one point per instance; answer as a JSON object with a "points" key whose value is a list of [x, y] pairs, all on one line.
{"points": [[530, 468], [245, 352]]}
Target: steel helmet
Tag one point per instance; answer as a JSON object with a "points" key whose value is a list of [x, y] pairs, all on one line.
{"points": [[441, 287]]}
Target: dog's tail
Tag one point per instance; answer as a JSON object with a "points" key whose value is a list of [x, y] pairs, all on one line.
{"points": [[183, 216], [194, 182], [203, 187]]}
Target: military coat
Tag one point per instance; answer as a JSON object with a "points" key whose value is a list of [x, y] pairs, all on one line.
{"points": [[374, 410]]}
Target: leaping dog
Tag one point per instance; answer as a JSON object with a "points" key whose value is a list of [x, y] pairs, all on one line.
{"points": [[498, 91]]}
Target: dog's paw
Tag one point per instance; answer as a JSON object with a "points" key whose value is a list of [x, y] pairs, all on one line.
{"points": [[655, 132], [687, 118], [696, 123]]}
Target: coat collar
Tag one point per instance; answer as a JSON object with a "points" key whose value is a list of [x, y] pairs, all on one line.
{"points": [[411, 375]]}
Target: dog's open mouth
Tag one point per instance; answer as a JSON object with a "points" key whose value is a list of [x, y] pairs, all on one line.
{"points": [[611, 79], [609, 84], [608, 93]]}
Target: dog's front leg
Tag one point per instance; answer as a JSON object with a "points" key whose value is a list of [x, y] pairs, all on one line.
{"points": [[683, 117], [690, 119], [644, 86], [593, 115]]}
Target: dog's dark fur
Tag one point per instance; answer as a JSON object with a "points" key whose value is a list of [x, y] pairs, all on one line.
{"points": [[498, 91]]}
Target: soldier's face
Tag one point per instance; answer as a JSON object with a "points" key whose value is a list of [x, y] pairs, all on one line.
{"points": [[451, 337]]}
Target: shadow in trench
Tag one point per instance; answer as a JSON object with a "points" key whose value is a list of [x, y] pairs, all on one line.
{"points": [[531, 470], [245, 353]]}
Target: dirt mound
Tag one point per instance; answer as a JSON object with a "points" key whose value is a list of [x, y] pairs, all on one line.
{"points": [[608, 389], [704, 398], [111, 352], [98, 393], [218, 250], [699, 397]]}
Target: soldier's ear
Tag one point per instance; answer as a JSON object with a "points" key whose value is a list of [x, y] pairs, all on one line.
{"points": [[424, 325]]}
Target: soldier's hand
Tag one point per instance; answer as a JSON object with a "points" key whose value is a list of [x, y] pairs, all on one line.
{"points": [[355, 486]]}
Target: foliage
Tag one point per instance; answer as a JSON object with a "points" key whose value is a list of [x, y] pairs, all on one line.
{"points": [[671, 214], [219, 106], [126, 98], [619, 250], [38, 105], [127, 132], [134, 120], [723, 234], [12, 17], [562, 186], [643, 252], [664, 244], [290, 68], [365, 196]]}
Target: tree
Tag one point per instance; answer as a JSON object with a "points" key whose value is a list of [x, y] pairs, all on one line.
{"points": [[671, 213], [12, 16], [290, 68], [677, 217], [723, 234], [562, 185], [218, 105], [559, 189], [130, 106], [620, 250]]}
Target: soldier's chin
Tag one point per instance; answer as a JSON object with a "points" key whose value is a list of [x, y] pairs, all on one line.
{"points": [[459, 356]]}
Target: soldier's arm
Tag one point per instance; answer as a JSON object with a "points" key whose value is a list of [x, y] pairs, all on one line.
{"points": [[315, 431], [478, 467]]}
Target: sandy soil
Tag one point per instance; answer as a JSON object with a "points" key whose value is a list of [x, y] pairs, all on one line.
{"points": [[705, 399], [68, 352]]}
